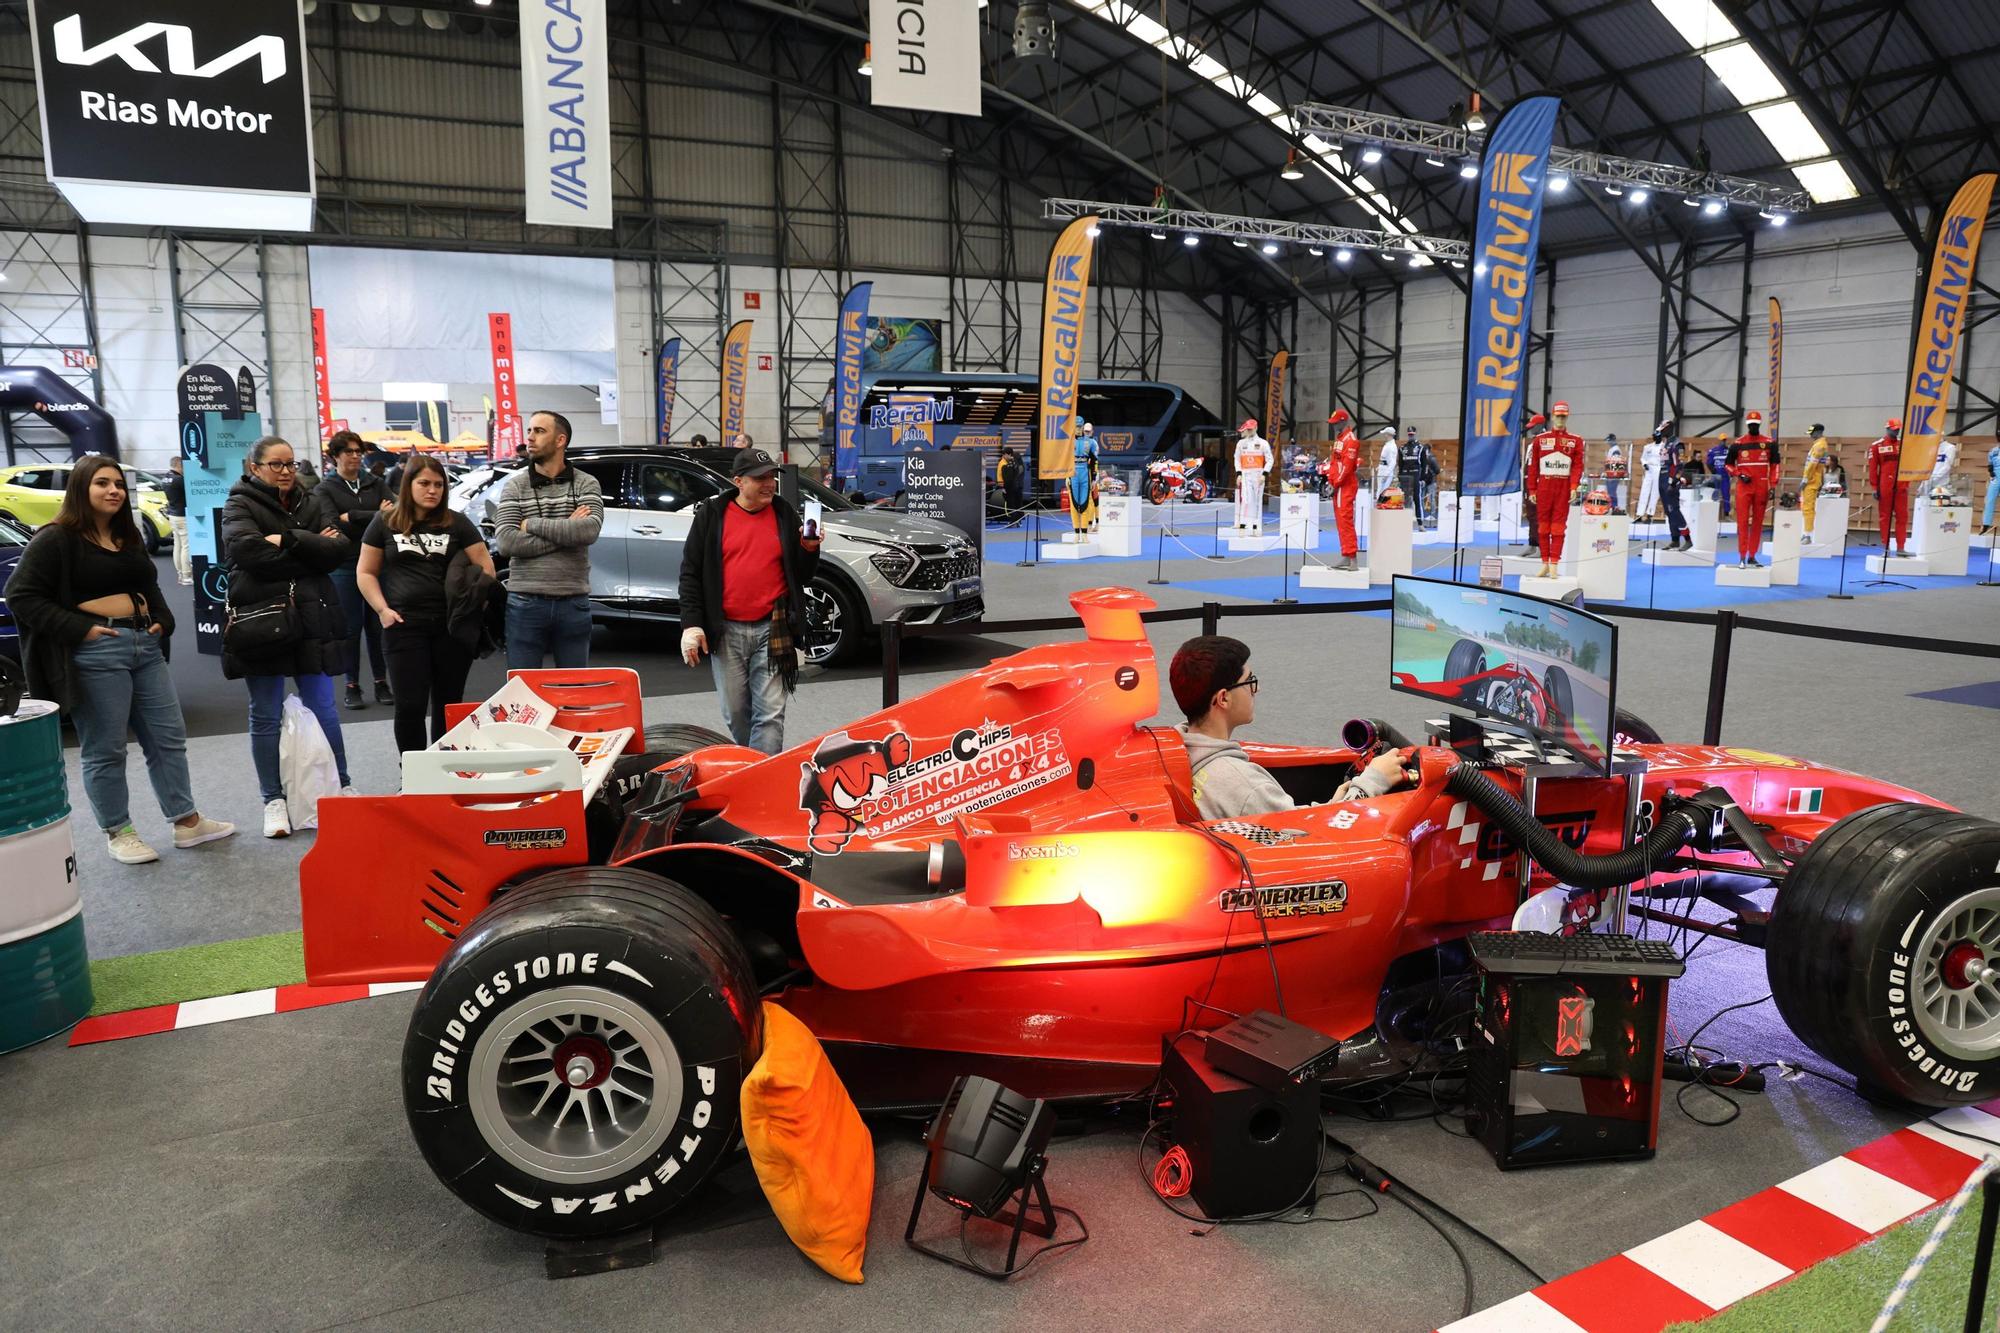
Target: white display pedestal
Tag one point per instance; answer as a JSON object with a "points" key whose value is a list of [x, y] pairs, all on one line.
{"points": [[1942, 535], [1787, 529], [1665, 559], [1298, 519], [1829, 534], [1182, 519], [1364, 514], [1594, 553], [1705, 527], [1118, 525], [1070, 549], [1728, 575], [1899, 566], [1501, 514], [1249, 541], [1553, 589], [1389, 546], [1455, 519], [1325, 576]]}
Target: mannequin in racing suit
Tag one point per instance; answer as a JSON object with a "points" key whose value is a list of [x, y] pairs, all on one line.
{"points": [[1529, 512], [1083, 482], [1671, 449], [1385, 465], [1649, 480], [1412, 474], [1947, 462], [1343, 479], [1556, 463], [1892, 495], [1815, 476], [1992, 488], [1616, 472], [1253, 460], [1753, 464], [1717, 459]]}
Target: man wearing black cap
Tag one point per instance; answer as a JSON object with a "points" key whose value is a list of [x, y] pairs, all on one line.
{"points": [[744, 573]]}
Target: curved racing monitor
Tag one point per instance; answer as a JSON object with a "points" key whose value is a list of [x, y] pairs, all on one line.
{"points": [[1541, 666]]}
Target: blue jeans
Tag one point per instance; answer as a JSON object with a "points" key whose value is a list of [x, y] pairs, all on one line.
{"points": [[539, 627], [360, 619], [752, 694], [267, 711], [121, 681]]}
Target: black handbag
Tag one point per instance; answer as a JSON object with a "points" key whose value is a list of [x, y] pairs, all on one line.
{"points": [[252, 631]]}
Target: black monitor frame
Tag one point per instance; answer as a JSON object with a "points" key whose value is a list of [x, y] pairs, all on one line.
{"points": [[1611, 668]]}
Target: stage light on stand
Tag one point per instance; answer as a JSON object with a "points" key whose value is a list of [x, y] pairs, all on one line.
{"points": [[987, 1145]]}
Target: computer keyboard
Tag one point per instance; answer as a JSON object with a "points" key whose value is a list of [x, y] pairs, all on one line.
{"points": [[1522, 952]]}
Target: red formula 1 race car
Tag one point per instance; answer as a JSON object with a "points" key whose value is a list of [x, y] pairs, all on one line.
{"points": [[1007, 875]]}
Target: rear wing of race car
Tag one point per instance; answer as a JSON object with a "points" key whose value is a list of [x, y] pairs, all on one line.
{"points": [[392, 881]]}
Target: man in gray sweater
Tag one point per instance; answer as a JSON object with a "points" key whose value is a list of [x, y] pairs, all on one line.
{"points": [[547, 516], [1213, 684]]}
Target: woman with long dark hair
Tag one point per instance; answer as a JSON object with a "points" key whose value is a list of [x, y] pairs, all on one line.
{"points": [[404, 557], [94, 633], [279, 557]]}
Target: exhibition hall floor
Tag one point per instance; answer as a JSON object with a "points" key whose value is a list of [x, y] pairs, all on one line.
{"points": [[258, 1174]]}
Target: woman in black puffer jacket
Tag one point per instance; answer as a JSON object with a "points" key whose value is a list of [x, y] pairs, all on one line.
{"points": [[271, 546]]}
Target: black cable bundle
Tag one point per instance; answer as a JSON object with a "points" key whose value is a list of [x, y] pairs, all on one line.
{"points": [[1608, 871]]}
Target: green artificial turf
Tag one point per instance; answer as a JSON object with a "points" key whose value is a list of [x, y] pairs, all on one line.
{"points": [[141, 980], [1847, 1291]]}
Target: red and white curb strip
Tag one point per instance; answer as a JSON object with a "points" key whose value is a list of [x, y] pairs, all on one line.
{"points": [[1709, 1265], [225, 1008]]}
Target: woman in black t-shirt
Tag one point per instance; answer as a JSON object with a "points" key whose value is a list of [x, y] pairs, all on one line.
{"points": [[404, 556]]}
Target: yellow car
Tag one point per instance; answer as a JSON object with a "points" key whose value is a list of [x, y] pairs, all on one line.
{"points": [[32, 493]]}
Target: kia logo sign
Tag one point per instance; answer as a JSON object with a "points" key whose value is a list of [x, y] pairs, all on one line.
{"points": [[268, 50], [176, 112]]}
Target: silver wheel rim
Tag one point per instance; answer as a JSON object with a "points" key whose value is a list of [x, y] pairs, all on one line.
{"points": [[526, 1109], [1963, 1022], [823, 624]]}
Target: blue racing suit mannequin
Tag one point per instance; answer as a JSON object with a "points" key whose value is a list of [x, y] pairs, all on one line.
{"points": [[1992, 487], [1717, 458], [1083, 481], [1671, 452]]}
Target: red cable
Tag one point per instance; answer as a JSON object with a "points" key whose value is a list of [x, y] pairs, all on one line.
{"points": [[1174, 1175]]}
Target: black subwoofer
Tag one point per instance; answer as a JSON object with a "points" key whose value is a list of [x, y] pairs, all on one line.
{"points": [[1249, 1150]]}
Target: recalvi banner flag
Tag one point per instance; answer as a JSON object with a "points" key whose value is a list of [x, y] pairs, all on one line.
{"points": [[566, 112], [1274, 395], [735, 378], [1947, 290], [847, 380], [1500, 299], [1065, 303], [1777, 367]]}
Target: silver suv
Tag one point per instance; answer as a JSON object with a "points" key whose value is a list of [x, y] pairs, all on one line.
{"points": [[875, 566]]}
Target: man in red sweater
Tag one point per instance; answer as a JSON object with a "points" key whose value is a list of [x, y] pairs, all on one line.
{"points": [[1343, 476], [1555, 463], [1753, 465], [1892, 493], [744, 572]]}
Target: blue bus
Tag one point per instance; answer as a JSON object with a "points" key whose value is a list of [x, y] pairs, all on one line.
{"points": [[1136, 421]]}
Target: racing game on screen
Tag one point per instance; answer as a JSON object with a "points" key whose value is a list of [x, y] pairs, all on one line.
{"points": [[1543, 666]]}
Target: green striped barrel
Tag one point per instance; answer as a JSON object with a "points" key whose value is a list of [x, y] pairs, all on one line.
{"points": [[44, 966]]}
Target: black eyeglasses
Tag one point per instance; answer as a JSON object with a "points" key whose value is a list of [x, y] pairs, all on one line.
{"points": [[1249, 683], [276, 466]]}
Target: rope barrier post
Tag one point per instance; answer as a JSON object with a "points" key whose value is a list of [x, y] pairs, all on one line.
{"points": [[1035, 533], [1718, 676], [892, 662], [1159, 553], [1982, 1254], [1211, 617], [1284, 597]]}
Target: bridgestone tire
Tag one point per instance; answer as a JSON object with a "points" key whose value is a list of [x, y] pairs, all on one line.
{"points": [[1864, 919], [684, 1027], [1631, 729], [1561, 697], [1466, 658]]}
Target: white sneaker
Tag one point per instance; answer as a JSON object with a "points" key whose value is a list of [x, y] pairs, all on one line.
{"points": [[277, 820], [348, 790], [203, 830], [128, 847]]}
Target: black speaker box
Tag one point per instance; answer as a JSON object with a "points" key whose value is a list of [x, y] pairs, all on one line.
{"points": [[1249, 1150]]}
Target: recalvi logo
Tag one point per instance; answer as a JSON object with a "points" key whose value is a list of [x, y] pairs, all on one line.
{"points": [[130, 47]]}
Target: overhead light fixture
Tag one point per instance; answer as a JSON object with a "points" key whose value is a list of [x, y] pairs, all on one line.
{"points": [[1310, 249], [1638, 196], [1034, 31], [1776, 219], [1157, 234], [1558, 182], [1371, 154], [1292, 171], [1242, 244], [1417, 261], [1433, 159], [1343, 256], [867, 70], [1475, 120], [1094, 232], [1689, 201], [1468, 170], [1614, 190], [1458, 263], [1270, 247], [1711, 206], [1190, 240], [1479, 269]]}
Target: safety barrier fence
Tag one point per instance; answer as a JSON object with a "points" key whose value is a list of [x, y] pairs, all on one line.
{"points": [[1724, 623]]}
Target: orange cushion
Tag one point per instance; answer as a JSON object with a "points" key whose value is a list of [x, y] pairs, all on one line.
{"points": [[813, 1155]]}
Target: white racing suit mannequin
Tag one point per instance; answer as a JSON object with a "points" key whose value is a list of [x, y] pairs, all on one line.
{"points": [[1649, 481], [1253, 461], [1385, 466], [1947, 461]]}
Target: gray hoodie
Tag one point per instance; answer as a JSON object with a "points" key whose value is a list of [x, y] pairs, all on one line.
{"points": [[1228, 784], [547, 551]]}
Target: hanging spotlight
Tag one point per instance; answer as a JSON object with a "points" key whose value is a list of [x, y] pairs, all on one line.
{"points": [[1690, 202], [1291, 170], [1371, 154], [1468, 170], [1458, 263], [1638, 196], [1711, 207], [1614, 190], [1242, 244], [1479, 269], [867, 70], [1775, 219], [1432, 159], [1190, 240], [1558, 182], [1157, 234], [1475, 120], [1270, 247], [1310, 249], [1343, 255], [1094, 232], [1034, 31], [1416, 261]]}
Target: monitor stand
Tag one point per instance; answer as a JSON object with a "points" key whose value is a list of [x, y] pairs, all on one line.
{"points": [[1468, 736]]}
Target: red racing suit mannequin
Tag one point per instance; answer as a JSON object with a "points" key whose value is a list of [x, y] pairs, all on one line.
{"points": [[1555, 466], [1343, 464], [1753, 465], [1885, 460]]}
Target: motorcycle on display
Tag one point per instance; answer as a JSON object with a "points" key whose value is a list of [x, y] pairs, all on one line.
{"points": [[1175, 479]]}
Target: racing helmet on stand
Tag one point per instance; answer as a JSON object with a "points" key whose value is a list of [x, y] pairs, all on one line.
{"points": [[1597, 501], [1391, 498]]}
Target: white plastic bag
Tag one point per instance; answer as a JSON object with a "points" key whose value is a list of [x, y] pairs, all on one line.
{"points": [[305, 762]]}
